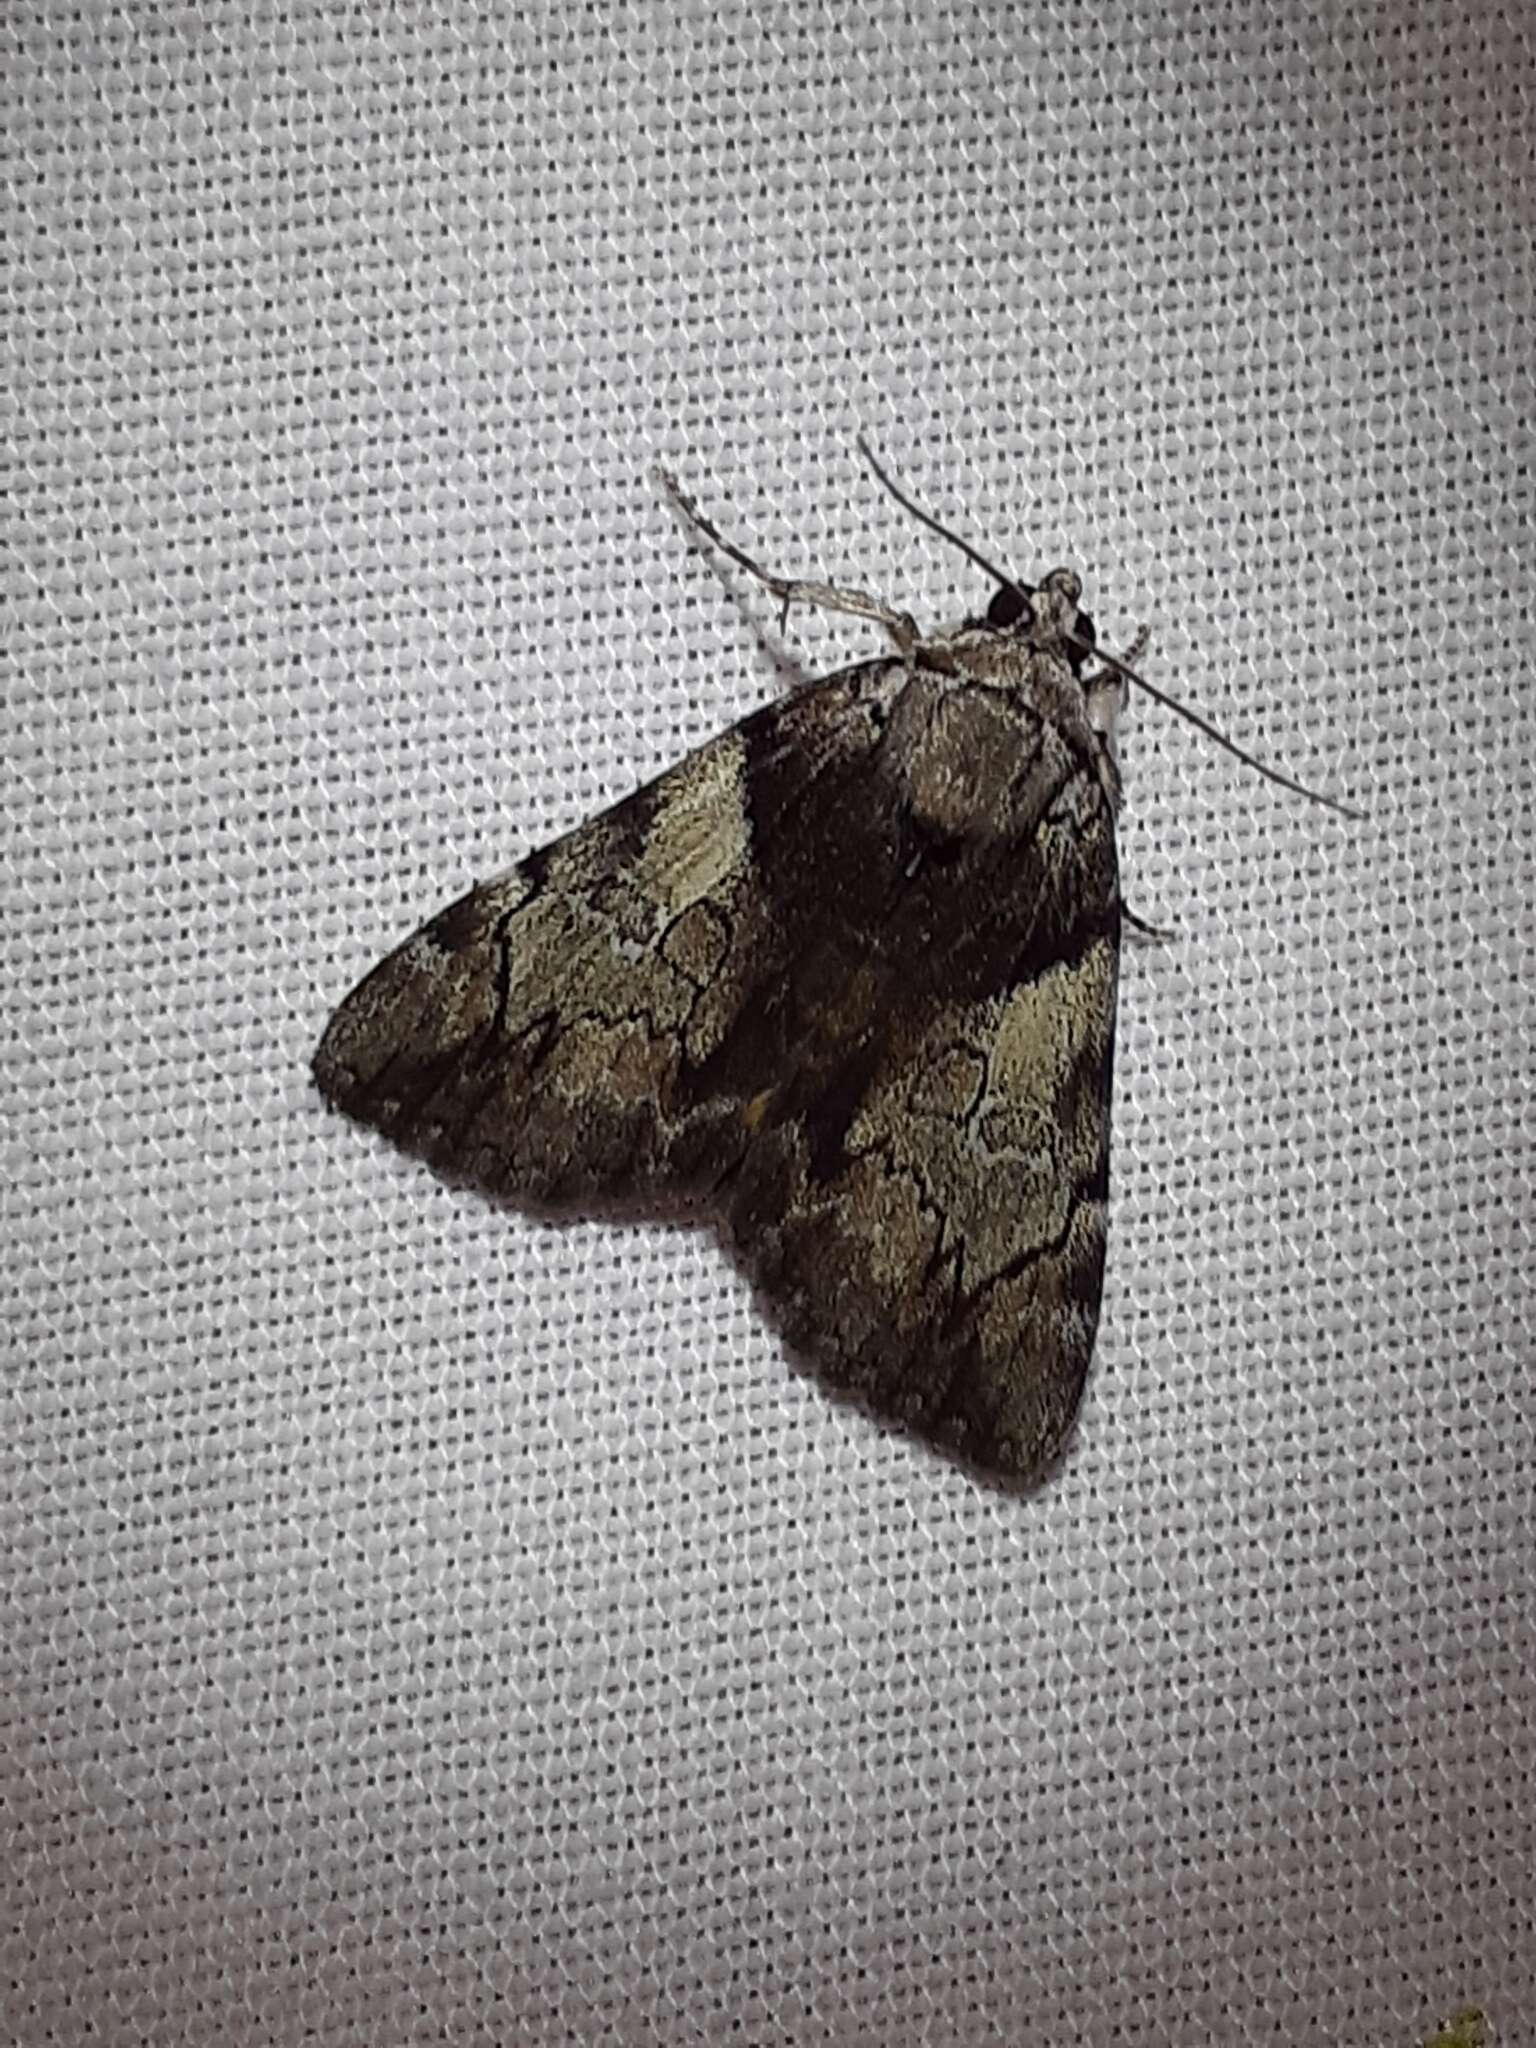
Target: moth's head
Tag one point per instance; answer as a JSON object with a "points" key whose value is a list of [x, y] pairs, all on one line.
{"points": [[1046, 616]]}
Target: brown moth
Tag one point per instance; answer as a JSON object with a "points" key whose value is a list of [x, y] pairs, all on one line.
{"points": [[845, 978]]}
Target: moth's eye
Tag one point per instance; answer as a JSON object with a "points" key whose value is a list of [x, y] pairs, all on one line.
{"points": [[1008, 607]]}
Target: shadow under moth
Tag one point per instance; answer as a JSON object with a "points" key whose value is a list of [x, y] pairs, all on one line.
{"points": [[843, 978]]}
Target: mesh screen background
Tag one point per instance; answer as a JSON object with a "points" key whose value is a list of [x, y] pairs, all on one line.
{"points": [[422, 1622]]}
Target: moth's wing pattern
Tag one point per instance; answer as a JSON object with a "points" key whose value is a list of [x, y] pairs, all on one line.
{"points": [[847, 974], [545, 1035], [925, 1197], [947, 1265]]}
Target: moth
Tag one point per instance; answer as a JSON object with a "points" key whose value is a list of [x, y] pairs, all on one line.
{"points": [[845, 979]]}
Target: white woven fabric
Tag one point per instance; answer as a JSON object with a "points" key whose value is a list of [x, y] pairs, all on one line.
{"points": [[423, 1623]]}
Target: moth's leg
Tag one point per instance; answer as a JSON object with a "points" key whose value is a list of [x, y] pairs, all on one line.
{"points": [[1107, 687], [1111, 674], [1105, 700], [1160, 933], [1107, 690], [826, 596]]}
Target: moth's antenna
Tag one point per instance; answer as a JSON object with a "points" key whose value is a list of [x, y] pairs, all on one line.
{"points": [[943, 532], [1204, 725], [1086, 647]]}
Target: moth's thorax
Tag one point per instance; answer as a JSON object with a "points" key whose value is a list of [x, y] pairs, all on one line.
{"points": [[1038, 677], [1030, 668], [999, 655]]}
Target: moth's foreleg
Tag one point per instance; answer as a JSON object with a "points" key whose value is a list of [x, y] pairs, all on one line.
{"points": [[1107, 687], [901, 626]]}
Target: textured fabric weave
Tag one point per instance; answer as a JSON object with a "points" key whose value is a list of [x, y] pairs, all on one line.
{"points": [[421, 1622]]}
